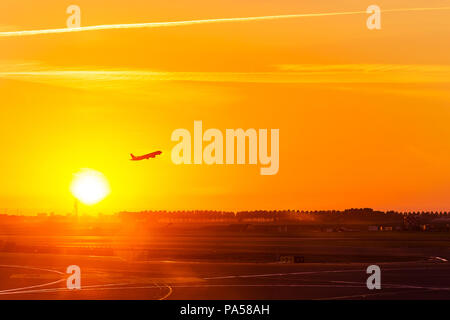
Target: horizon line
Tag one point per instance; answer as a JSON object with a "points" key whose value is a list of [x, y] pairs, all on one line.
{"points": [[71, 214]]}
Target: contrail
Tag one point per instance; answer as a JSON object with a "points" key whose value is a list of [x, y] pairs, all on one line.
{"points": [[194, 22]]}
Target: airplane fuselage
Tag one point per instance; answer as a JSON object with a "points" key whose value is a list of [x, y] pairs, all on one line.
{"points": [[145, 156]]}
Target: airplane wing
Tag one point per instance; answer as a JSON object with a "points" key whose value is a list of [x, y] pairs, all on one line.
{"points": [[154, 154]]}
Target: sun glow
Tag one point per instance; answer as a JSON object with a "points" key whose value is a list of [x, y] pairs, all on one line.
{"points": [[89, 186]]}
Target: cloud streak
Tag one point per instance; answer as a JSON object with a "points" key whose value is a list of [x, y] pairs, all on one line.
{"points": [[344, 73], [197, 22]]}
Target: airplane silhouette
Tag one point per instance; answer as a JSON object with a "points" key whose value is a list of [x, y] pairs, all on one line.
{"points": [[145, 156]]}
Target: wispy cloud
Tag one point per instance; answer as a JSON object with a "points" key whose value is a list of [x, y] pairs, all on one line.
{"points": [[364, 68], [198, 22], [345, 73], [370, 73]]}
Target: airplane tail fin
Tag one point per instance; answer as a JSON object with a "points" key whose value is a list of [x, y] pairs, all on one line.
{"points": [[132, 156]]}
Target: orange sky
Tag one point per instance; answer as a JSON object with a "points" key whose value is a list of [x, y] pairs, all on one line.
{"points": [[363, 115]]}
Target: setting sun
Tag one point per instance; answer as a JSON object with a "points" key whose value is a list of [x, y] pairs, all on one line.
{"points": [[89, 186]]}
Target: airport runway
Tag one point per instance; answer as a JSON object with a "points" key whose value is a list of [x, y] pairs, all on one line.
{"points": [[226, 266], [43, 277]]}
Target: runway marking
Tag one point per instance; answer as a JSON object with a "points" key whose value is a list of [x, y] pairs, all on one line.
{"points": [[275, 274], [439, 259], [30, 268], [398, 286], [168, 294], [98, 288], [6, 291], [269, 285], [390, 286], [133, 286], [199, 21], [303, 273], [365, 295], [111, 287], [282, 274], [20, 290]]}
